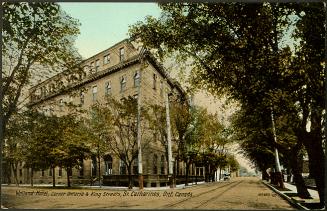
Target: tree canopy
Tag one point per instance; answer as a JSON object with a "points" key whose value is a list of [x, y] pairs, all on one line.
{"points": [[238, 49]]}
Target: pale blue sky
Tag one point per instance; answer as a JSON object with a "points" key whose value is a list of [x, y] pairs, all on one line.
{"points": [[104, 24]]}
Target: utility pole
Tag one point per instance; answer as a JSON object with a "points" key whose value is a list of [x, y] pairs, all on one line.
{"points": [[99, 158], [278, 173], [170, 156], [140, 169]]}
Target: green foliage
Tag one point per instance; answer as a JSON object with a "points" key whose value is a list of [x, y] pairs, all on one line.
{"points": [[34, 36], [237, 49]]}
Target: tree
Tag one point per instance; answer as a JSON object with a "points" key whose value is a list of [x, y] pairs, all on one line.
{"points": [[181, 120], [119, 133], [75, 144], [158, 125], [34, 35], [100, 126], [236, 50], [255, 138], [13, 149], [43, 139]]}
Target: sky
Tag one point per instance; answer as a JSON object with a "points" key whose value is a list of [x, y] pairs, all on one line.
{"points": [[105, 24]]}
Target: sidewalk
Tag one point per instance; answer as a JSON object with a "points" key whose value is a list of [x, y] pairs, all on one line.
{"points": [[291, 196], [180, 186]]}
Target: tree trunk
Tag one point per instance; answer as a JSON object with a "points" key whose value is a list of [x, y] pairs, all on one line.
{"points": [[130, 177], [313, 145], [53, 177], [32, 174], [297, 170], [68, 176], [99, 171], [317, 168], [187, 172], [14, 169], [265, 175], [220, 173]]}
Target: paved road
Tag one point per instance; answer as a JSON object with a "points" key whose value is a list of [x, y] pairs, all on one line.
{"points": [[238, 193]]}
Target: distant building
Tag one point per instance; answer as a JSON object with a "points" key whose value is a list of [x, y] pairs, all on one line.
{"points": [[116, 72]]}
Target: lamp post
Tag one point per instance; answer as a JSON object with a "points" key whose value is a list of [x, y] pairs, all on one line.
{"points": [[170, 157]]}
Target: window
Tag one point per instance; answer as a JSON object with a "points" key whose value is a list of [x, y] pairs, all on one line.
{"points": [[97, 65], [94, 166], [106, 59], [135, 166], [107, 88], [122, 83], [154, 81], [92, 67], [82, 98], [83, 73], [122, 167], [122, 54], [108, 164], [69, 172], [162, 164], [81, 167], [155, 167], [136, 79], [61, 105], [60, 172], [161, 88], [94, 93]]}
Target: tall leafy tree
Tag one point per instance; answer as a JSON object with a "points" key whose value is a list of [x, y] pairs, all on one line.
{"points": [[34, 35], [119, 130], [74, 145], [256, 140], [236, 50]]}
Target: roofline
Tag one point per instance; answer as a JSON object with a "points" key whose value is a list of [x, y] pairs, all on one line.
{"points": [[84, 60]]}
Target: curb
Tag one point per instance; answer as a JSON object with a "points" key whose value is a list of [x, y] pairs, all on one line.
{"points": [[287, 198]]}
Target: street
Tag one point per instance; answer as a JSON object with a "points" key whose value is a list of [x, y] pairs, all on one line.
{"points": [[238, 193]]}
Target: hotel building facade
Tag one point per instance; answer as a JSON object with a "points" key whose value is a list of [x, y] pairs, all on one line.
{"points": [[116, 71]]}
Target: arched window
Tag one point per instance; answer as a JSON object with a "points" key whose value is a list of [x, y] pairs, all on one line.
{"points": [[155, 164], [108, 164]]}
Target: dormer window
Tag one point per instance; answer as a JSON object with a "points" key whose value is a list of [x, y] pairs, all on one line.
{"points": [[122, 83], [92, 67], [106, 59], [97, 65], [85, 70], [121, 54], [137, 79]]}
